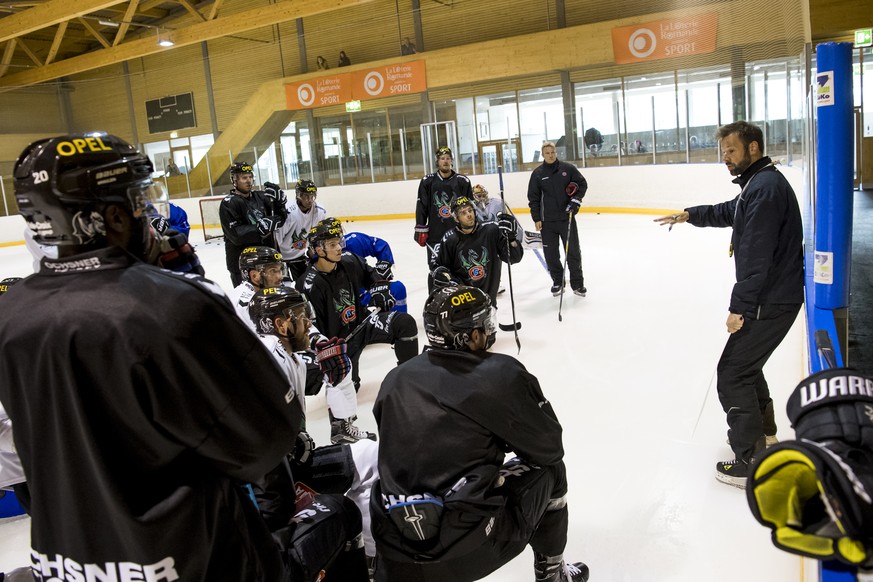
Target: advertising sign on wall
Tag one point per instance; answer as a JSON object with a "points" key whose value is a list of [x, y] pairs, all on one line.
{"points": [[664, 39]]}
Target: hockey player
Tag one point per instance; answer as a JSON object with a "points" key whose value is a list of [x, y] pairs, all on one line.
{"points": [[11, 474], [487, 208], [249, 217], [332, 284], [365, 245], [446, 512], [554, 194], [433, 215], [282, 316], [469, 253], [134, 434], [259, 267], [303, 214]]}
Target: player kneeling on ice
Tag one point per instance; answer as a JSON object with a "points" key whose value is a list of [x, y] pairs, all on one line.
{"points": [[282, 316], [331, 284], [442, 511], [134, 435]]}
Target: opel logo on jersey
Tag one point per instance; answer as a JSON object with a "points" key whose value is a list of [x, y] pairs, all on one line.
{"points": [[347, 315]]}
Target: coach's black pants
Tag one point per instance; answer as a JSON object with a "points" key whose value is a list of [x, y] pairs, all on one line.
{"points": [[742, 389], [554, 239]]}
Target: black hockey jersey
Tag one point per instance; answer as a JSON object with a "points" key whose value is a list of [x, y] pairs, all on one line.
{"points": [[334, 296], [140, 402], [239, 222], [446, 413], [435, 195], [475, 259]]}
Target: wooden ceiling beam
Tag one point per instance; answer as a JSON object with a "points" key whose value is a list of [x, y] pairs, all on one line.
{"points": [[281, 11], [94, 32], [56, 43], [192, 10], [7, 55], [30, 53], [213, 12], [48, 14], [125, 22]]}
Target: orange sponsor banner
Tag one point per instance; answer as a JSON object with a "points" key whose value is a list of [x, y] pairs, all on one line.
{"points": [[665, 39], [397, 79], [319, 92]]}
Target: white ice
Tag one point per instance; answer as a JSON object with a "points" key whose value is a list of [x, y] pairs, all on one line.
{"points": [[630, 372]]}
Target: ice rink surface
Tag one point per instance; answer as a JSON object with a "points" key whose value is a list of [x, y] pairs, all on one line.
{"points": [[630, 373]]}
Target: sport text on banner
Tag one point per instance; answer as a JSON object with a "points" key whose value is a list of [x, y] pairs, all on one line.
{"points": [[397, 79], [665, 39], [319, 92]]}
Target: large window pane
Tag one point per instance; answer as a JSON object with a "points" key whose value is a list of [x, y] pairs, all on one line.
{"points": [[541, 117], [597, 105]]}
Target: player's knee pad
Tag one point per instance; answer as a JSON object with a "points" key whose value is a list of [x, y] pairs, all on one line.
{"points": [[816, 498], [835, 404]]}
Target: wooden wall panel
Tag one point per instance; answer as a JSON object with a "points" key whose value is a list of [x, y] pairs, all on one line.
{"points": [[366, 33], [286, 35], [458, 22], [239, 66], [31, 110], [99, 102]]}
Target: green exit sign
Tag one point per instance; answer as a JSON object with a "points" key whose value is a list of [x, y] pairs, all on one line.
{"points": [[352, 106], [864, 37]]}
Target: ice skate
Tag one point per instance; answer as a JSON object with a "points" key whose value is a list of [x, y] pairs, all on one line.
{"points": [[343, 430], [554, 569]]}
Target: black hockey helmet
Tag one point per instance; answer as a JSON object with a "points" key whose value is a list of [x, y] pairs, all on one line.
{"points": [[307, 187], [257, 259], [272, 302], [458, 202], [451, 313], [240, 168], [62, 185], [8, 282], [443, 151], [323, 231]]}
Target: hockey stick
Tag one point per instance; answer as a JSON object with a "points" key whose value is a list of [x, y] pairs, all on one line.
{"points": [[542, 260], [515, 324], [564, 268]]}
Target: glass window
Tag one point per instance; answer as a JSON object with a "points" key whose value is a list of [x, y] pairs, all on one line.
{"points": [[705, 94], [597, 122], [541, 117], [651, 118]]}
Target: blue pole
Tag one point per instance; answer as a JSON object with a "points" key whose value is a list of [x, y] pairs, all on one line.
{"points": [[833, 204], [833, 200]]}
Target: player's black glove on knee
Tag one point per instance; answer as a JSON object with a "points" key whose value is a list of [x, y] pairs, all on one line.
{"points": [[383, 270], [816, 493], [380, 296], [333, 359], [442, 277], [508, 225]]}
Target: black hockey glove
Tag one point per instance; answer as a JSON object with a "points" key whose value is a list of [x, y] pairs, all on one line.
{"points": [[333, 359], [383, 270], [275, 195], [380, 296], [573, 206], [507, 224], [816, 493], [303, 447], [267, 224], [160, 224], [171, 250], [442, 277]]}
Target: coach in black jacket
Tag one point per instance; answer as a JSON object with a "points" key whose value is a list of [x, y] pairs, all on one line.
{"points": [[554, 194], [767, 246]]}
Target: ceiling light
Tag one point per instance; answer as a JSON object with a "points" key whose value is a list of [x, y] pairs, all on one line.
{"points": [[164, 39], [109, 23]]}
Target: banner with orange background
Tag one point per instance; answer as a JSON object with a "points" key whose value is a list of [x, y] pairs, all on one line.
{"points": [[664, 39], [373, 83]]}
